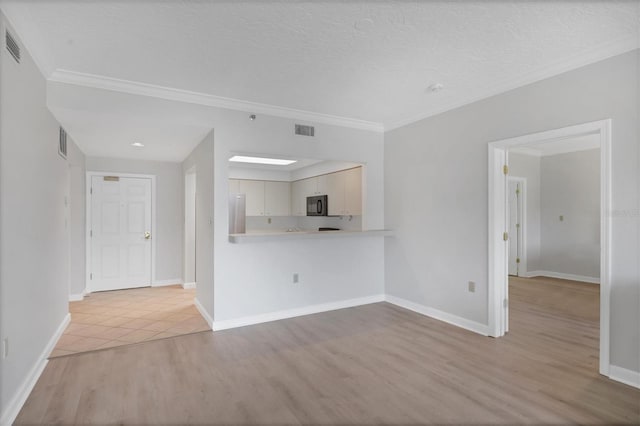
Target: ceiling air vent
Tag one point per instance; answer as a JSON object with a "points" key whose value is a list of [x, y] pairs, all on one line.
{"points": [[62, 144], [12, 46], [304, 130]]}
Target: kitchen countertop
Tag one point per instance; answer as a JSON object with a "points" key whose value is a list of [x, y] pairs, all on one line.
{"points": [[280, 236]]}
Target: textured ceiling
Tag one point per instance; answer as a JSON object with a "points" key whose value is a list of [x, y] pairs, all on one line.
{"points": [[370, 61]]}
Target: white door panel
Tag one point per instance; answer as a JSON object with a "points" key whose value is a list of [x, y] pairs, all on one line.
{"points": [[120, 219]]}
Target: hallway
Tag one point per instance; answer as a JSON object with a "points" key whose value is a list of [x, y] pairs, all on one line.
{"points": [[115, 318]]}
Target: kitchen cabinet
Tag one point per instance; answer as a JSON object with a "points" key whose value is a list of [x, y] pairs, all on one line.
{"points": [[254, 193], [277, 198], [353, 191], [343, 190], [263, 198], [335, 193], [300, 190], [234, 186]]}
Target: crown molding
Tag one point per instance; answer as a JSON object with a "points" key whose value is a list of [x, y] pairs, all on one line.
{"points": [[599, 53], [172, 94]]}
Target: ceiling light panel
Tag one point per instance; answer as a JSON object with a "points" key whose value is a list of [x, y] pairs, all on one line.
{"points": [[261, 160]]}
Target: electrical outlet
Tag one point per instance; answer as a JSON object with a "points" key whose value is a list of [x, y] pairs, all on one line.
{"points": [[5, 348], [296, 278], [472, 287]]}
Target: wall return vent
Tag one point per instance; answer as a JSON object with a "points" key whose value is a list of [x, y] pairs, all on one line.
{"points": [[12, 46], [303, 130], [62, 143]]}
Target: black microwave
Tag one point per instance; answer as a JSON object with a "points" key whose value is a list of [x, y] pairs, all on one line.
{"points": [[317, 205]]}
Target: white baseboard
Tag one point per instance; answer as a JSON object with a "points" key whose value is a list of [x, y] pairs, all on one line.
{"points": [[467, 324], [203, 312], [562, 275], [162, 283], [295, 312], [77, 297], [15, 404], [622, 375], [188, 285]]}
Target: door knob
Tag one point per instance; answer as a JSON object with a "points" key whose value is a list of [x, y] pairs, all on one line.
{"points": [[147, 235]]}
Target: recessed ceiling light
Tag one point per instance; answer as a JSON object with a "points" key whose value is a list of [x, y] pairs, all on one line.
{"points": [[137, 144], [261, 160], [435, 87]]}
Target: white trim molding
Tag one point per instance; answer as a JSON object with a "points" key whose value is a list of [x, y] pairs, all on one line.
{"points": [[465, 323], [296, 312], [189, 285], [163, 283], [497, 225], [78, 296], [622, 375], [179, 95], [203, 312], [561, 275], [15, 404]]}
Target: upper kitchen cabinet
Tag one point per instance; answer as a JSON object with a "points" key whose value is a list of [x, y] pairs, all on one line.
{"points": [[344, 191], [254, 193], [263, 198], [353, 191], [300, 190], [234, 186], [335, 183], [277, 198]]}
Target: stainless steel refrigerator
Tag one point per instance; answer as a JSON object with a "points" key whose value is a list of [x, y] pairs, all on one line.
{"points": [[237, 214]]}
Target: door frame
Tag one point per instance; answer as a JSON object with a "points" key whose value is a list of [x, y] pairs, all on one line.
{"points": [[88, 222], [523, 222], [190, 171], [498, 249]]}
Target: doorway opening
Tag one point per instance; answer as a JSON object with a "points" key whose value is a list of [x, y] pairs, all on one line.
{"points": [[500, 234]]}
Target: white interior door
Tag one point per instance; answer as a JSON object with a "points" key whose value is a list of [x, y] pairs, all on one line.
{"points": [[515, 218], [120, 233]]}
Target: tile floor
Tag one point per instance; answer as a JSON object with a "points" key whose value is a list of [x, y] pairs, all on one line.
{"points": [[115, 318]]}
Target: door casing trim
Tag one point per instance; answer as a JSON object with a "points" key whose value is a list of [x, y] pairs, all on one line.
{"points": [[497, 274]]}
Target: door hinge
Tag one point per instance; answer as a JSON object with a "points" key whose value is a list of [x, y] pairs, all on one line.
{"points": [[91, 276], [505, 303], [91, 190], [505, 169], [91, 233], [505, 236], [517, 260]]}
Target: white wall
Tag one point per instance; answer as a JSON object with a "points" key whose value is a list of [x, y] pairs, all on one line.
{"points": [[256, 278], [77, 224], [436, 191], [570, 187], [189, 266], [34, 248], [203, 160], [528, 166], [169, 209]]}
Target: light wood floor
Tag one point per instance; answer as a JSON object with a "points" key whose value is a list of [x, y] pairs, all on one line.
{"points": [[375, 364], [122, 317]]}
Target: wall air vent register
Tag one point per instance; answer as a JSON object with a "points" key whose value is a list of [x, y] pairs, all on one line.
{"points": [[303, 130], [12, 46], [62, 143]]}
